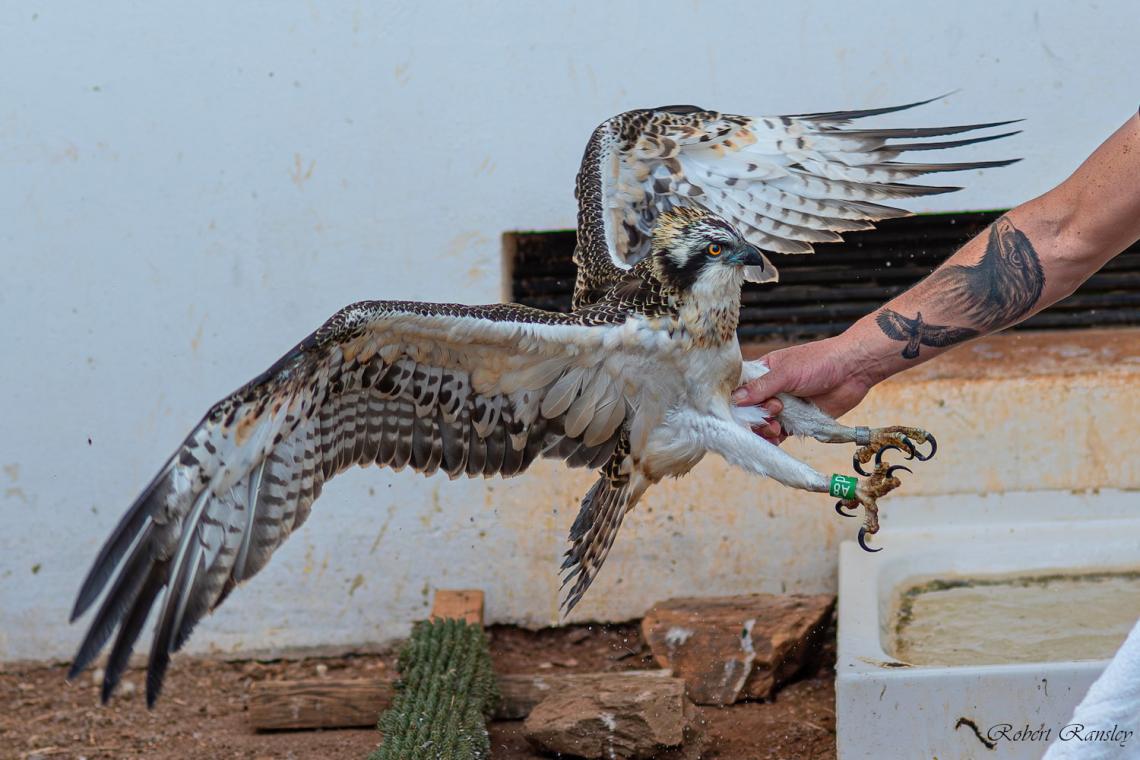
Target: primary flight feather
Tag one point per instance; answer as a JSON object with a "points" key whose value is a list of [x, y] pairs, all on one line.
{"points": [[675, 205]]}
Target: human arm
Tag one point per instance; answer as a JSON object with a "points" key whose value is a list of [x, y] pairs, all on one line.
{"points": [[1035, 255]]}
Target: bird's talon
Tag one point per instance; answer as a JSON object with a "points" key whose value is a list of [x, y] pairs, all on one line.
{"points": [[884, 450], [885, 477], [863, 542], [891, 470], [933, 449], [839, 505]]}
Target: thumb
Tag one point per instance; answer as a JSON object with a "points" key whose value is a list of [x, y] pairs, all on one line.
{"points": [[762, 388]]}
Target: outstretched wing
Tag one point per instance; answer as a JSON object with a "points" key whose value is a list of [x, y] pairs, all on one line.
{"points": [[895, 325], [787, 182], [474, 390], [940, 337]]}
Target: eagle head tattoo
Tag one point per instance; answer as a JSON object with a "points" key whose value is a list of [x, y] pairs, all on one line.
{"points": [[999, 290]]}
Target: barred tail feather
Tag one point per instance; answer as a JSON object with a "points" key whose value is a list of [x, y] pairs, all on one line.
{"points": [[596, 526]]}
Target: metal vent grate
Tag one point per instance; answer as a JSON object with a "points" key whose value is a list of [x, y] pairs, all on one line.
{"points": [[822, 294]]}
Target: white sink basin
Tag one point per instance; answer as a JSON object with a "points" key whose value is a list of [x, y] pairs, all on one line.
{"points": [[892, 709]]}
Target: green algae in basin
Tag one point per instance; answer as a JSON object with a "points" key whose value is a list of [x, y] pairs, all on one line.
{"points": [[992, 620]]}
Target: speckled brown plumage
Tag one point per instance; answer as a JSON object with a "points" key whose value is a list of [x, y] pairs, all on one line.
{"points": [[787, 182], [467, 390], [485, 390]]}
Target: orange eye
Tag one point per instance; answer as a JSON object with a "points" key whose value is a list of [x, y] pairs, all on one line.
{"points": [[714, 249]]}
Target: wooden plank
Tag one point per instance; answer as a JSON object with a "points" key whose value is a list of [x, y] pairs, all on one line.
{"points": [[463, 604], [358, 702], [318, 703]]}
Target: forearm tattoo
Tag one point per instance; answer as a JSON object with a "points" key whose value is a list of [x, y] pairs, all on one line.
{"points": [[916, 332], [994, 293]]}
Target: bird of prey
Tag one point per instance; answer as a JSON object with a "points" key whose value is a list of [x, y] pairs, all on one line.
{"points": [[676, 205]]}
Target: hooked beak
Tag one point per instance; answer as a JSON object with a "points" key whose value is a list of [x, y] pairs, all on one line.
{"points": [[750, 256], [757, 268]]}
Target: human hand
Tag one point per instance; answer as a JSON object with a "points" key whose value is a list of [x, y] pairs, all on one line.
{"points": [[824, 372]]}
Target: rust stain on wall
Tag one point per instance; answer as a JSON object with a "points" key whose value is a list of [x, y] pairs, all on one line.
{"points": [[300, 174]]}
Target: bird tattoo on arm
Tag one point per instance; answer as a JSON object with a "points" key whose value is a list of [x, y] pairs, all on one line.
{"points": [[1002, 288], [916, 332], [676, 207]]}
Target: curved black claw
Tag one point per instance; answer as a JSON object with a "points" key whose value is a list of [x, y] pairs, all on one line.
{"points": [[933, 449], [858, 467], [911, 451], [839, 509], [863, 542], [891, 470], [884, 450]]}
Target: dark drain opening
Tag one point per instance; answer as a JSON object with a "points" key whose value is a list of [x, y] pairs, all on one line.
{"points": [[824, 293]]}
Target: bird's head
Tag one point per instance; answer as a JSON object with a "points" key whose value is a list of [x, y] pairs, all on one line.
{"points": [[693, 247]]}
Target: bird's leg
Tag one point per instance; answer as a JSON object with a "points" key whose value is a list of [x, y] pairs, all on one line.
{"points": [[881, 482], [800, 417], [805, 418], [750, 452]]}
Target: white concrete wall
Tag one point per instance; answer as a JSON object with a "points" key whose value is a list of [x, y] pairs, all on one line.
{"points": [[186, 190]]}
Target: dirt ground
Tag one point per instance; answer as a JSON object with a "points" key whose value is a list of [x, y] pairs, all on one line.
{"points": [[202, 711]]}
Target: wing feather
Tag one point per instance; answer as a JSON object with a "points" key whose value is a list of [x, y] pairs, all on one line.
{"points": [[894, 325], [940, 337], [475, 390], [581, 412], [763, 174], [403, 415]]}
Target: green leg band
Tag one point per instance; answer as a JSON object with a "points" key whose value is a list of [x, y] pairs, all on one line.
{"points": [[843, 486]]}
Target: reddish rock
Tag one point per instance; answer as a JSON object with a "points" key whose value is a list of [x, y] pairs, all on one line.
{"points": [[735, 647], [615, 715]]}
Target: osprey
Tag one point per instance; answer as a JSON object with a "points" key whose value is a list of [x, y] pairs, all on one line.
{"points": [[676, 205]]}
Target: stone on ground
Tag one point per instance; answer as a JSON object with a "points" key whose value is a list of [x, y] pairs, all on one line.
{"points": [[736, 647], [615, 715]]}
